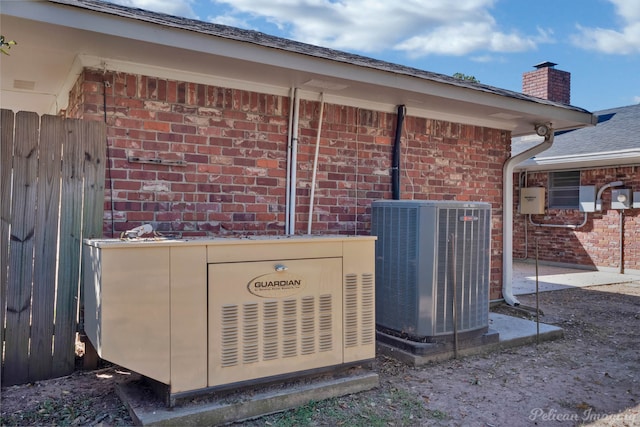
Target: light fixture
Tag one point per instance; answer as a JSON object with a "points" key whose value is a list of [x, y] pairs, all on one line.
{"points": [[542, 130]]}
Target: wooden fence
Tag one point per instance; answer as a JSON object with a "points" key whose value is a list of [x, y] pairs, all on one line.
{"points": [[52, 187]]}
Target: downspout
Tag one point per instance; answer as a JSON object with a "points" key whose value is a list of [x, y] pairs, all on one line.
{"points": [[522, 185], [395, 167], [507, 214], [315, 166], [294, 162]]}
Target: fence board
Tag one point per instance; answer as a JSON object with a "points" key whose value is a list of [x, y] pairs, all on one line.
{"points": [[49, 167], [46, 245], [20, 276], [70, 245], [94, 179], [6, 154], [94, 173]]}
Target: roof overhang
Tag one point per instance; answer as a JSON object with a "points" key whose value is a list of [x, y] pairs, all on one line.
{"points": [[617, 158], [56, 41]]}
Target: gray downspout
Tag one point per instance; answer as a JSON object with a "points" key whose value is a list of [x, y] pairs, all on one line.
{"points": [[507, 215], [395, 166]]}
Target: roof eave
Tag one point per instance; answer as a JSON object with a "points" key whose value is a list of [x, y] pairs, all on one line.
{"points": [[439, 97], [582, 161]]}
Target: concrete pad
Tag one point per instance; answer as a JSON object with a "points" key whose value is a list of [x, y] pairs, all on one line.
{"points": [[146, 411], [515, 331], [512, 331], [552, 278]]}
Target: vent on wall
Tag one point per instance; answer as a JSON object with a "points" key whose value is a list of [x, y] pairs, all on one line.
{"points": [[427, 252]]}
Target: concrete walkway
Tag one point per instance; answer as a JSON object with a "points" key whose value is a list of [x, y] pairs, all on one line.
{"points": [[551, 278]]}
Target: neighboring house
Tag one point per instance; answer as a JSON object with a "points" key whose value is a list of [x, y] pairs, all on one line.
{"points": [[212, 130], [573, 230]]}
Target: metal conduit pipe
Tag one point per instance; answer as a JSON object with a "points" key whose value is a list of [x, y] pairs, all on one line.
{"points": [[601, 190], [395, 166], [572, 226], [289, 149], [621, 244], [315, 166], [507, 211], [294, 162]]}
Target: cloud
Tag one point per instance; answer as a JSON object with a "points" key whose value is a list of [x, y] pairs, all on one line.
{"points": [[621, 41], [170, 7], [415, 27]]}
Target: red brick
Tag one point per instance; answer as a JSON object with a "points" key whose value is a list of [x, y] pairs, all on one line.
{"points": [[159, 126]]}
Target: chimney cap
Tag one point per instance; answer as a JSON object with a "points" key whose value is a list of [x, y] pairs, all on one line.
{"points": [[545, 64]]}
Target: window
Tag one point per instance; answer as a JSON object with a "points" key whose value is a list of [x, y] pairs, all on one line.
{"points": [[564, 188]]}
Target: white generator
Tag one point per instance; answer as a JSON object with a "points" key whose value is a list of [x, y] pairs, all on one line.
{"points": [[204, 314]]}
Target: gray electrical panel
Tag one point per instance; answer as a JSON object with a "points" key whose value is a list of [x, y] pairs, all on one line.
{"points": [[587, 198], [429, 253]]}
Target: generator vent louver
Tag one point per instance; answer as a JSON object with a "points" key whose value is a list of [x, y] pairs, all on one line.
{"points": [[424, 249], [305, 331]]}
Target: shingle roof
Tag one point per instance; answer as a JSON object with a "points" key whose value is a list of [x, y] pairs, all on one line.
{"points": [[266, 40], [618, 129]]}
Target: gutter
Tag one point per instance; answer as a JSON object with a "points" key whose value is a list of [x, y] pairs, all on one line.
{"points": [[627, 157], [507, 214]]}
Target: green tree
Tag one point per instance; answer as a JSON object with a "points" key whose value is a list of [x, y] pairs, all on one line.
{"points": [[461, 76]]}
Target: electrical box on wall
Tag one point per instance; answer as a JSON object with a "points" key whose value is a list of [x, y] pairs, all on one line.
{"points": [[587, 198], [621, 198], [532, 200], [636, 200]]}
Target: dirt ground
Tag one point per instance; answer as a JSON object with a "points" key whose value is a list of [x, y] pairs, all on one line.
{"points": [[590, 377]]}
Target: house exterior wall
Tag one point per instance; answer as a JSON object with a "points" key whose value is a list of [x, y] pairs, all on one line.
{"points": [[597, 244], [233, 145]]}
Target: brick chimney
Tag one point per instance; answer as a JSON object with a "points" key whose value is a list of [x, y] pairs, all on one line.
{"points": [[548, 83]]}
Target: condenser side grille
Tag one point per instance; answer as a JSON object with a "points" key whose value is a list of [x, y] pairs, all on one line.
{"points": [[396, 263], [462, 261]]}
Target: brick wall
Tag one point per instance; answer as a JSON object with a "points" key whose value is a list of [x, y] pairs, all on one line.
{"points": [[233, 144], [597, 244]]}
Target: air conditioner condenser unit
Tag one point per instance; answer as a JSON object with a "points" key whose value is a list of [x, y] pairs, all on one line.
{"points": [[432, 267]]}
